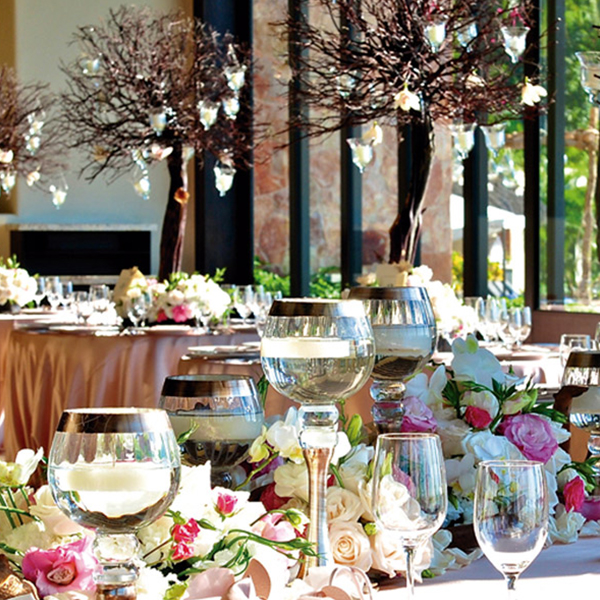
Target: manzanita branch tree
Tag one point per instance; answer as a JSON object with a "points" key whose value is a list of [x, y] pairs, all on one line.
{"points": [[412, 62], [148, 87]]}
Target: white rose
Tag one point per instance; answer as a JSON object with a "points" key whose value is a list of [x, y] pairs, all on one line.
{"points": [[451, 435], [564, 526], [487, 446], [342, 505], [194, 491], [354, 469], [26, 536], [55, 521], [396, 509], [350, 545], [484, 400], [389, 556], [291, 479], [151, 584], [565, 476]]}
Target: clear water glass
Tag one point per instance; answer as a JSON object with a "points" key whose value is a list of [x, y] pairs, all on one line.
{"points": [[410, 497], [54, 292], [573, 342], [511, 515], [40, 292], [114, 470], [316, 352]]}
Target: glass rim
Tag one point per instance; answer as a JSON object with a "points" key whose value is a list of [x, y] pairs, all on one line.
{"points": [[317, 307], [511, 462], [407, 435], [367, 292], [110, 420], [200, 386]]}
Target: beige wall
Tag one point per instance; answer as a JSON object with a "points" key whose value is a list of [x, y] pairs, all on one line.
{"points": [[36, 34]]}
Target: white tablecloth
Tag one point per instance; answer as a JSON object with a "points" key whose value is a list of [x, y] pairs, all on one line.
{"points": [[561, 572]]}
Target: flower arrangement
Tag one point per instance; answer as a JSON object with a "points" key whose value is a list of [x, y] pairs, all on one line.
{"points": [[207, 534], [17, 287], [480, 413], [181, 298]]}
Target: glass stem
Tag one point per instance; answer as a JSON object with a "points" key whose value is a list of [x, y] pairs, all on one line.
{"points": [[511, 582], [409, 553]]}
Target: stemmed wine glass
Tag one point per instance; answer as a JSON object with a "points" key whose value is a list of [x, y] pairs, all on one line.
{"points": [[405, 334], [511, 515], [114, 470], [54, 292], [40, 292], [137, 310], [316, 352], [520, 324], [410, 496], [222, 415]]}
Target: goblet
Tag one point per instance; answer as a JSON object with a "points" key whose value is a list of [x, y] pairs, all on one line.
{"points": [[114, 470], [583, 371], [511, 515], [223, 415], [316, 352], [405, 334], [410, 495]]}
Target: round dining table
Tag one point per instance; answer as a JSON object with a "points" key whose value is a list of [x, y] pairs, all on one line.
{"points": [[50, 369]]}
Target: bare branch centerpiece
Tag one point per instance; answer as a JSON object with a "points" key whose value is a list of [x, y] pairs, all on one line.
{"points": [[148, 87], [412, 62]]}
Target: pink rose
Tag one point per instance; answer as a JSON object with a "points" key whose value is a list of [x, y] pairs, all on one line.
{"points": [[417, 416], [531, 434], [187, 532], [574, 494], [63, 569], [477, 417], [182, 551], [182, 313], [272, 527], [226, 504], [270, 500], [161, 316]]}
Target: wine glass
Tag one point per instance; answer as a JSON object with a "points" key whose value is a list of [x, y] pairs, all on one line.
{"points": [[222, 415], [137, 310], [54, 292], [114, 470], [317, 351], [242, 297], [520, 324], [511, 515], [40, 292], [572, 342], [405, 335], [410, 495]]}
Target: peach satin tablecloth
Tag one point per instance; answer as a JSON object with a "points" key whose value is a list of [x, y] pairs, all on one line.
{"points": [[48, 371]]}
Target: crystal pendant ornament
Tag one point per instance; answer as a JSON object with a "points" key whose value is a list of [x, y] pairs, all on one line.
{"points": [[8, 179], [466, 33], [90, 65], [495, 137], [59, 191], [36, 121], [362, 152], [346, 84], [463, 135], [590, 74], [141, 184], [32, 143], [435, 32], [515, 41], [209, 111], [231, 107], [33, 177], [224, 174], [236, 77], [6, 156], [140, 158], [158, 121]]}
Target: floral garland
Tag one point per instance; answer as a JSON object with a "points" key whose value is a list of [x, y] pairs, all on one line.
{"points": [[480, 413], [17, 287]]}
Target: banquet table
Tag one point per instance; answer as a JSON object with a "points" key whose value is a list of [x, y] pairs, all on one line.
{"points": [[51, 369], [560, 571]]}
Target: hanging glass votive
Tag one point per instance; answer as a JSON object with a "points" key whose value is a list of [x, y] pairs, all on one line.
{"points": [[495, 137], [236, 77], [466, 33], [209, 111], [515, 41], [463, 135], [224, 174], [158, 121], [90, 65], [362, 152], [590, 74], [435, 32], [36, 121], [140, 157], [59, 191], [231, 107], [33, 177], [8, 178], [346, 84], [6, 156], [32, 143], [141, 184], [157, 152]]}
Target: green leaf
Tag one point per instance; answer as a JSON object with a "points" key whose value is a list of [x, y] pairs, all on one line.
{"points": [[182, 438], [262, 387], [427, 574], [354, 430], [175, 592], [555, 415]]}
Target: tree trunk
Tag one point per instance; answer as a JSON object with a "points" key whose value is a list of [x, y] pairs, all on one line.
{"points": [[406, 229], [584, 291], [173, 229]]}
